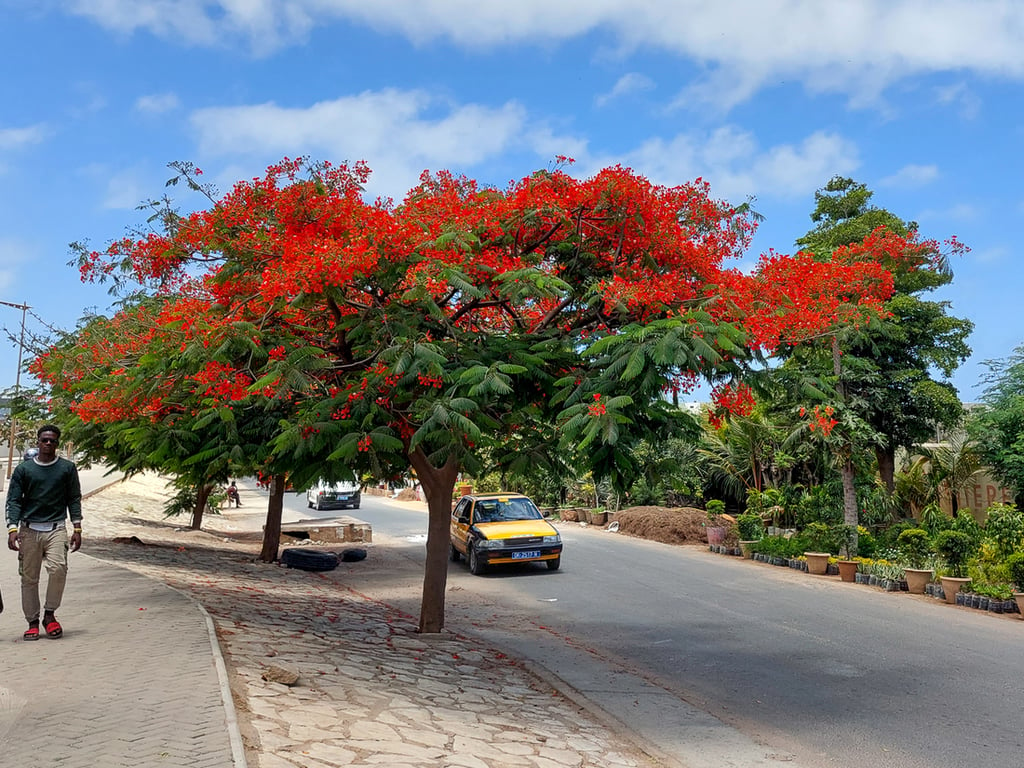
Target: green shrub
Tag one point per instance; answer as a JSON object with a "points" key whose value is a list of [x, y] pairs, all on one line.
{"points": [[915, 546], [715, 507], [820, 538], [1015, 565], [956, 548], [933, 519], [1005, 528], [750, 526], [867, 544]]}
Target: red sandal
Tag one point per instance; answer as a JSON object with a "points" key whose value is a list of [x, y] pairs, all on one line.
{"points": [[53, 629], [32, 633]]}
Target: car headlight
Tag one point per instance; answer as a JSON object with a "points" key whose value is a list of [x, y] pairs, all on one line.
{"points": [[489, 543], [556, 539]]}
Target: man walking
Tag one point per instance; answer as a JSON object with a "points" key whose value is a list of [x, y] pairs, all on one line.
{"points": [[43, 493]]}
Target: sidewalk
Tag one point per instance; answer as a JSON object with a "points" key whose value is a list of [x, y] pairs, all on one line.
{"points": [[134, 681], [137, 679]]}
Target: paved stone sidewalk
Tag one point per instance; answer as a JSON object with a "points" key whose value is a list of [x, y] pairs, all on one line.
{"points": [[371, 691]]}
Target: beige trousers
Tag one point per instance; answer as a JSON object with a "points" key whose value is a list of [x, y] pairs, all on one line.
{"points": [[37, 549]]}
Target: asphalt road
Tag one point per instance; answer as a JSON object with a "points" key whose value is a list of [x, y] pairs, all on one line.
{"points": [[791, 668]]}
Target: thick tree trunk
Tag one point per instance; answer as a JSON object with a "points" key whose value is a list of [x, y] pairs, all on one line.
{"points": [[202, 496], [886, 458], [438, 486], [272, 528]]}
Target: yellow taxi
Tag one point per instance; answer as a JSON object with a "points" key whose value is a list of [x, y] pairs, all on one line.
{"points": [[492, 528]]}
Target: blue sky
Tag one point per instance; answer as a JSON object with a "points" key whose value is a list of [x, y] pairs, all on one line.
{"points": [[919, 99]]}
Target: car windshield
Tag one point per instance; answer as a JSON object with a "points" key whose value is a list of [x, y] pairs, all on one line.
{"points": [[503, 509]]}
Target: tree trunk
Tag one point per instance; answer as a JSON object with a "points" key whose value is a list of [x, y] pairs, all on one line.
{"points": [[886, 458], [272, 528], [438, 487], [202, 496], [850, 516]]}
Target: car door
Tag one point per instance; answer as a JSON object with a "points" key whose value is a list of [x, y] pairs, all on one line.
{"points": [[460, 524]]}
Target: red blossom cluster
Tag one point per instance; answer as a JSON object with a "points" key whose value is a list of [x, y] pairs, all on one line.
{"points": [[821, 419], [598, 408], [303, 256]]}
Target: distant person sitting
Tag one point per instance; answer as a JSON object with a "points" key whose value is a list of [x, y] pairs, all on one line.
{"points": [[233, 495]]}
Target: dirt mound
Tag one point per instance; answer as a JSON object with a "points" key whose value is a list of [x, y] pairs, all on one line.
{"points": [[671, 525]]}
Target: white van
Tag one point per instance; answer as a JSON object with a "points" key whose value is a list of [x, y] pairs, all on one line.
{"points": [[325, 495]]}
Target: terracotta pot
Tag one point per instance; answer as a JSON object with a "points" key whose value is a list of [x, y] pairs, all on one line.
{"points": [[817, 563], [1019, 599], [465, 489], [918, 579], [847, 570], [951, 585], [597, 517], [747, 547]]}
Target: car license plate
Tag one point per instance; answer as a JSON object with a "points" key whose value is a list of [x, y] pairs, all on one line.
{"points": [[524, 555]]}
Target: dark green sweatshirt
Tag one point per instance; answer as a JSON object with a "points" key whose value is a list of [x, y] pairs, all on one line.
{"points": [[44, 493]]}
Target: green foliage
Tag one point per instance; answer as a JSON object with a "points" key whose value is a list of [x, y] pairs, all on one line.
{"points": [[821, 504], [1004, 526], [715, 507], [998, 428], [915, 546], [1015, 569], [780, 546], [750, 526], [821, 538], [956, 548], [934, 520], [867, 544]]}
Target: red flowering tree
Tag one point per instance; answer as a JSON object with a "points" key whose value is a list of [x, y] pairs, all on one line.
{"points": [[465, 322]]}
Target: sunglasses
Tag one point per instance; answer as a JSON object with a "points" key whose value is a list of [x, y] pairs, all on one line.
{"points": [[48, 440]]}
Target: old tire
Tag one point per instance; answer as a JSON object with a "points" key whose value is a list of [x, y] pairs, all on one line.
{"points": [[309, 560], [476, 567], [353, 555]]}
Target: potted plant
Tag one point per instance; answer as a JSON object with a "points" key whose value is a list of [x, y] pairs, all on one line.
{"points": [[750, 529], [955, 547], [915, 548], [820, 542], [715, 527], [846, 564], [1015, 565]]}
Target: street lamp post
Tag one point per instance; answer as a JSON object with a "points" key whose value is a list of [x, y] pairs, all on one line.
{"points": [[17, 383]]}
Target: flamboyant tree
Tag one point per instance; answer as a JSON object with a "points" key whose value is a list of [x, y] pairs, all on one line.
{"points": [[868, 385], [464, 323], [903, 399]]}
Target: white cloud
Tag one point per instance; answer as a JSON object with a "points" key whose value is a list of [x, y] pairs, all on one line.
{"points": [[390, 129], [852, 47], [157, 103], [630, 83], [13, 138], [960, 96], [737, 166], [911, 176]]}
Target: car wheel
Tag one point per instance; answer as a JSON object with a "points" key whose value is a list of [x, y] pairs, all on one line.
{"points": [[309, 503], [453, 554], [318, 506], [553, 564], [309, 560], [475, 566], [356, 505]]}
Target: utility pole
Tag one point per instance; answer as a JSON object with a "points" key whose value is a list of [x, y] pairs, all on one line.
{"points": [[17, 384]]}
